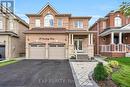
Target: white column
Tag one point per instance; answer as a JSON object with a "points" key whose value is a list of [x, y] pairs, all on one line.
{"points": [[112, 37], [69, 39], [120, 38], [89, 42], [91, 39], [72, 38], [47, 51]]}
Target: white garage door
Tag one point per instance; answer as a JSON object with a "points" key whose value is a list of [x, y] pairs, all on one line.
{"points": [[37, 51], [56, 51]]}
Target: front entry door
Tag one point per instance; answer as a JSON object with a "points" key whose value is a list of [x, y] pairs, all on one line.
{"points": [[78, 45]]}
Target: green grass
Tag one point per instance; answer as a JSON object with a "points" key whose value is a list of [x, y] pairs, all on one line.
{"points": [[7, 62], [122, 76]]}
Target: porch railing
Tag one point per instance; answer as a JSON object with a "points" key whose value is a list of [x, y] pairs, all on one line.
{"points": [[114, 48]]}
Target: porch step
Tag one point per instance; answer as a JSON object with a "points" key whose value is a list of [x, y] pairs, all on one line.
{"points": [[83, 57]]}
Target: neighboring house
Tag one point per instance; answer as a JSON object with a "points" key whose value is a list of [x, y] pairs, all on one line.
{"points": [[12, 39], [52, 35], [113, 35]]}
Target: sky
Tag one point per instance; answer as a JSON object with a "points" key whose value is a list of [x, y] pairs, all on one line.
{"points": [[94, 8]]}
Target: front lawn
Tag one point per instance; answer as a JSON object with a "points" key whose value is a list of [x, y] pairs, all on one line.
{"points": [[7, 62], [122, 76]]}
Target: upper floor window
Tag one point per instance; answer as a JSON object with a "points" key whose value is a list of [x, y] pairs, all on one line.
{"points": [[60, 23], [37, 22], [118, 22], [48, 21], [104, 25], [1, 25], [78, 24], [11, 24]]}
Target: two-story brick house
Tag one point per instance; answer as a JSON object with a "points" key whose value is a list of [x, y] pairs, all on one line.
{"points": [[12, 40], [113, 35], [52, 35]]}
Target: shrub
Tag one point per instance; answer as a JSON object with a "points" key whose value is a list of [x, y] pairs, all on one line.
{"points": [[113, 64], [100, 73], [108, 69], [72, 57]]}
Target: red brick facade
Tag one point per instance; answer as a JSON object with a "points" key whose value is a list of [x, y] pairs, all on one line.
{"points": [[105, 24]]}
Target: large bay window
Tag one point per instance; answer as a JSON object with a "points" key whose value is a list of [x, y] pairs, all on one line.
{"points": [[48, 21]]}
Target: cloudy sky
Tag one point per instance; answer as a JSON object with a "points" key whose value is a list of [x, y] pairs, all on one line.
{"points": [[94, 8]]}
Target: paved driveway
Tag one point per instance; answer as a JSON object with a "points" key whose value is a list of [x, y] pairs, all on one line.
{"points": [[37, 73]]}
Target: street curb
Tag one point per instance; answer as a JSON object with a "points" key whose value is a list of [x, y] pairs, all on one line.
{"points": [[91, 79]]}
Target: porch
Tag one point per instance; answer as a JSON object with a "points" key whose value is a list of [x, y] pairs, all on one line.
{"points": [[81, 45], [117, 43]]}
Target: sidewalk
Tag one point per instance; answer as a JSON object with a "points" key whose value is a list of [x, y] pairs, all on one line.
{"points": [[99, 59]]}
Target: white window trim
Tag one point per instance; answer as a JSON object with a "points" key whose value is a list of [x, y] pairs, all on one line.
{"points": [[11, 24], [1, 23], [117, 22], [45, 20], [58, 23], [79, 24], [37, 22], [104, 25]]}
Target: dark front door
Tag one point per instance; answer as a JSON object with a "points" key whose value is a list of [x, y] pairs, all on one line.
{"points": [[2, 52], [116, 39]]}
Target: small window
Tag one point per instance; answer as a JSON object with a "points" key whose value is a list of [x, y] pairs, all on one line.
{"points": [[1, 25], [37, 45], [78, 24], [41, 45], [60, 45], [37, 23], [52, 45], [33, 45], [118, 22], [60, 22]]}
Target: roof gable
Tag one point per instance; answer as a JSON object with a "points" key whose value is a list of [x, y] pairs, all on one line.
{"points": [[45, 7], [126, 27]]}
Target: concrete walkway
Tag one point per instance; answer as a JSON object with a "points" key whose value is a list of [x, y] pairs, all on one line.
{"points": [[81, 70]]}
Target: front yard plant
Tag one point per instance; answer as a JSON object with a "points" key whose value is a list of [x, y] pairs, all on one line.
{"points": [[100, 73], [113, 64]]}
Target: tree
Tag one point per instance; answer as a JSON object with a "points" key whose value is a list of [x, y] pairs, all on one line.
{"points": [[125, 8]]}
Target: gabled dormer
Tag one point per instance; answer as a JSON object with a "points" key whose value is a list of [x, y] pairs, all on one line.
{"points": [[44, 18]]}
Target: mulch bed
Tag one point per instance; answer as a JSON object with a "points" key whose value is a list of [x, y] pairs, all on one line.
{"points": [[107, 83]]}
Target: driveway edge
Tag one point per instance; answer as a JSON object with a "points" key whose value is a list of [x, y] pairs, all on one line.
{"points": [[74, 75]]}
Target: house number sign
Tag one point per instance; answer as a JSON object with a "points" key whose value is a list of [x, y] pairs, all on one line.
{"points": [[46, 38]]}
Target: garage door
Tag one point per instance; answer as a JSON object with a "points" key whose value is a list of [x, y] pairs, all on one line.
{"points": [[37, 51], [56, 51]]}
